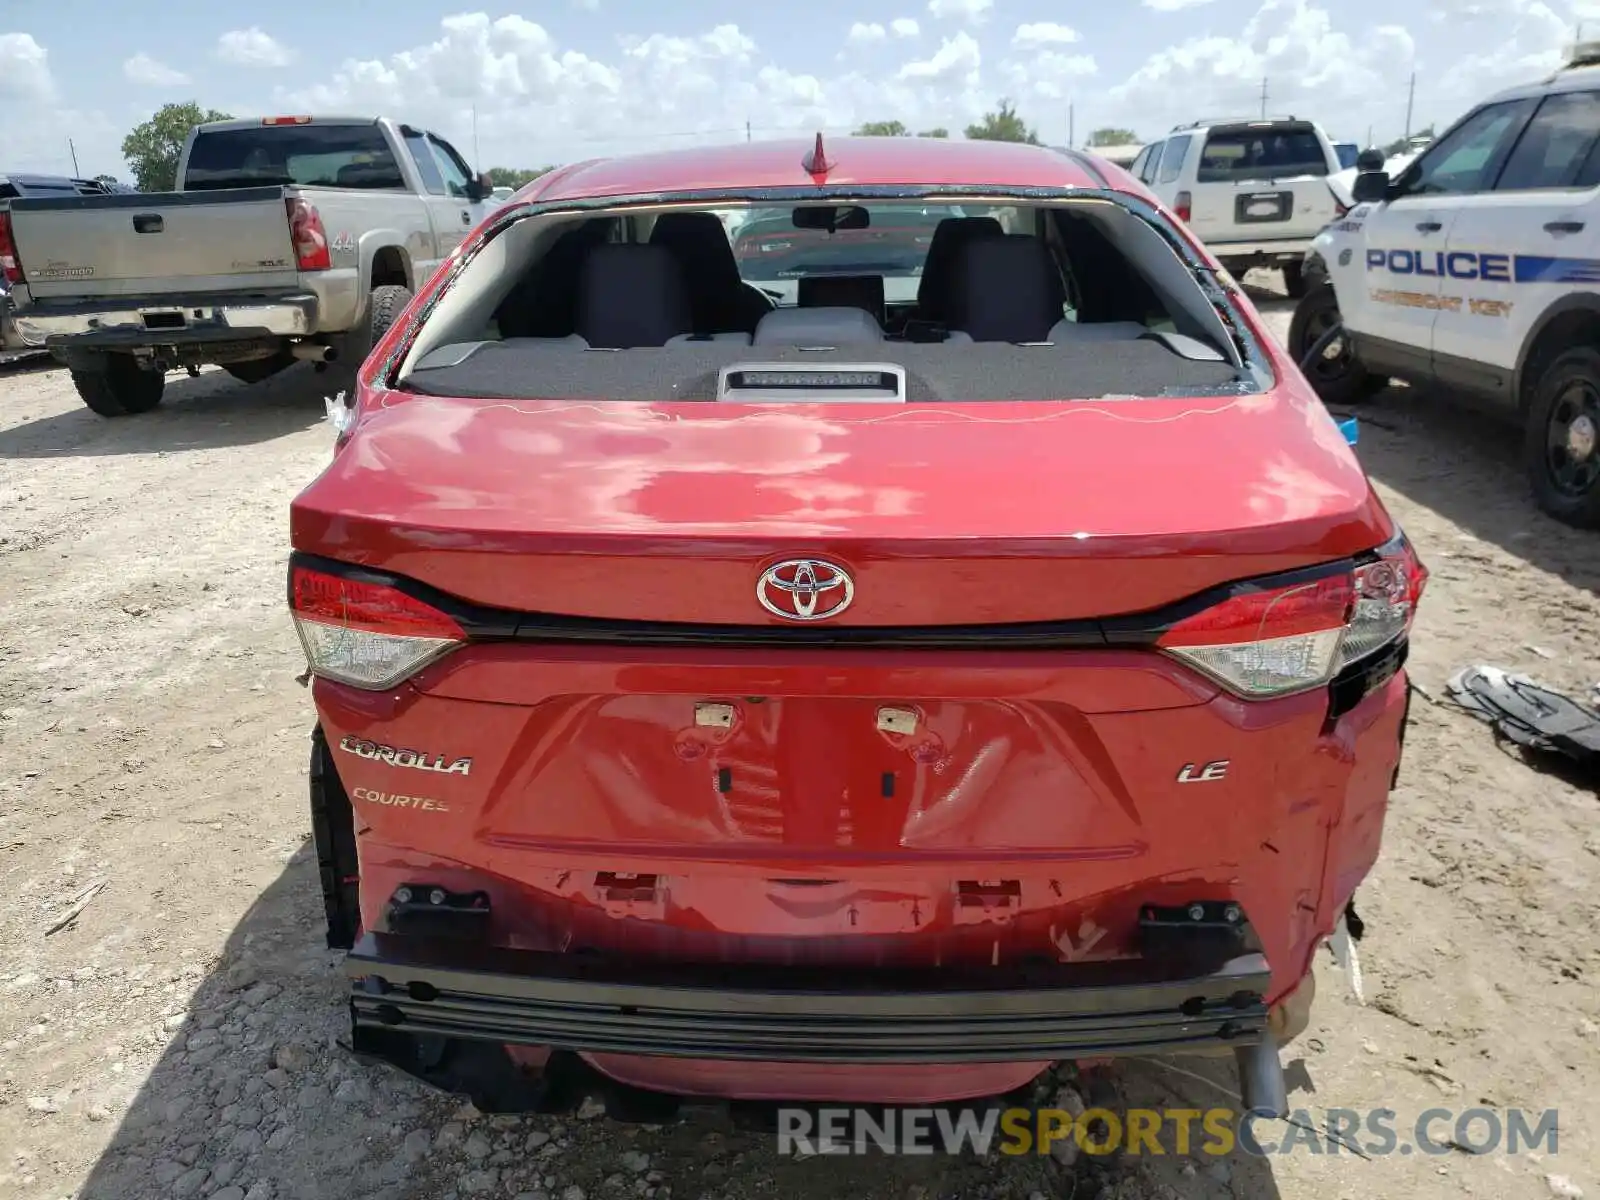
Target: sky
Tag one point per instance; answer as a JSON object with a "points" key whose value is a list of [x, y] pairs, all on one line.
{"points": [[536, 82]]}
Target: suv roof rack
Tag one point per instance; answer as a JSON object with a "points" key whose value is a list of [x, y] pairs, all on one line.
{"points": [[1201, 124]]}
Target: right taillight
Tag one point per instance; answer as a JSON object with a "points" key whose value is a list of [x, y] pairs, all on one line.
{"points": [[309, 237], [10, 262], [1183, 206], [1269, 639], [1388, 588], [366, 634]]}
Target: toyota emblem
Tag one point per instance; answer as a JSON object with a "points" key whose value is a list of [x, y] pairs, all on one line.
{"points": [[805, 589]]}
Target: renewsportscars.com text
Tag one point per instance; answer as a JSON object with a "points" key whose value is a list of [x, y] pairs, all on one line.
{"points": [[1375, 1133]]}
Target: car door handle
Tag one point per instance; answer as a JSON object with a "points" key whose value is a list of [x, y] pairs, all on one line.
{"points": [[1563, 226], [466, 218], [1429, 226]]}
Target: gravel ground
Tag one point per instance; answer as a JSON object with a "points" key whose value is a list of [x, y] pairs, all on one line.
{"points": [[181, 1037]]}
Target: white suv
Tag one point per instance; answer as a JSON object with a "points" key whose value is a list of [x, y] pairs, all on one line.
{"points": [[1478, 269], [1255, 192]]}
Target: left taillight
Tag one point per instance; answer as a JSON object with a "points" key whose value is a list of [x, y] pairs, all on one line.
{"points": [[366, 634], [10, 260], [309, 236], [1272, 639], [1183, 205]]}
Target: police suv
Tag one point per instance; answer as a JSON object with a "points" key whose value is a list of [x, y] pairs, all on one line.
{"points": [[1478, 269]]}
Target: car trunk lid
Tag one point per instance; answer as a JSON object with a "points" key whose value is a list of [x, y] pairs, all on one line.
{"points": [[951, 514]]}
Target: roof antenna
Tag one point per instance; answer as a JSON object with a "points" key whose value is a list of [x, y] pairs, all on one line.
{"points": [[816, 163]]}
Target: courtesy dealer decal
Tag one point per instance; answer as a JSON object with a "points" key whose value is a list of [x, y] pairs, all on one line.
{"points": [[394, 800]]}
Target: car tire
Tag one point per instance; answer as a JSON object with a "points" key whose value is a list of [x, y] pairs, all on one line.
{"points": [[258, 369], [1340, 379], [1294, 279], [1561, 446], [121, 387], [333, 834]]}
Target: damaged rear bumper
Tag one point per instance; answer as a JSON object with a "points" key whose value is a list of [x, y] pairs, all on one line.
{"points": [[412, 998]]}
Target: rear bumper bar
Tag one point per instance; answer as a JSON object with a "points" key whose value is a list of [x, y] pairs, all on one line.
{"points": [[403, 985], [1286, 248], [118, 322]]}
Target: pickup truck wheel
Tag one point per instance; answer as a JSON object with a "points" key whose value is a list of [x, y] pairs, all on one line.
{"points": [[122, 388], [1337, 375], [333, 834], [1562, 442], [1294, 279], [383, 306]]}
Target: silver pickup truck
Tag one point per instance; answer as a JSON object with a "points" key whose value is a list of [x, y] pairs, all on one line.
{"points": [[288, 238]]}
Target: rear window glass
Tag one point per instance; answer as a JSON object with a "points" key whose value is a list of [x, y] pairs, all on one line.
{"points": [[347, 156], [1261, 152]]}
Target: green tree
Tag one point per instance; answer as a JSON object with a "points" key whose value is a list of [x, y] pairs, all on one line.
{"points": [[938, 131], [882, 129], [1003, 126], [1111, 136], [516, 177], [152, 149]]}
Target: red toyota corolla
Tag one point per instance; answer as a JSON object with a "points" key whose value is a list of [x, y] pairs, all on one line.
{"points": [[864, 688]]}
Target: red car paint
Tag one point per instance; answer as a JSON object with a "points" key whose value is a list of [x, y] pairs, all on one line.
{"points": [[1040, 802]]}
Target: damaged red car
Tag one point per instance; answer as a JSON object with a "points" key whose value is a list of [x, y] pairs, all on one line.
{"points": [[868, 684]]}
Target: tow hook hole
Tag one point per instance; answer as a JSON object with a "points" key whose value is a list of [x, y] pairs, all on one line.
{"points": [[422, 991], [390, 1015]]}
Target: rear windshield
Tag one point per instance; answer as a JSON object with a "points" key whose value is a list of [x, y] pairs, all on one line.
{"points": [[1261, 152], [342, 156]]}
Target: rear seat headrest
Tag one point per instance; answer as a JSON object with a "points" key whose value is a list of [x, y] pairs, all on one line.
{"points": [[1005, 289], [817, 327], [631, 295]]}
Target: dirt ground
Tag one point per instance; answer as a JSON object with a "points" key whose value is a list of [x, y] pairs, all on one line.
{"points": [[181, 1037]]}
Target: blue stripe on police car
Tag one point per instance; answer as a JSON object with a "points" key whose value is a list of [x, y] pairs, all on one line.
{"points": [[1490, 268]]}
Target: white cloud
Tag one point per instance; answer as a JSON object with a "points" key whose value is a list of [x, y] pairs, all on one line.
{"points": [[1345, 77], [960, 10], [957, 59], [150, 72], [860, 33], [1174, 5], [253, 47], [24, 69], [1043, 33], [904, 27]]}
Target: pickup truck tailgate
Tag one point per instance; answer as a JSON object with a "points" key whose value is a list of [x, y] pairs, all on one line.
{"points": [[149, 244]]}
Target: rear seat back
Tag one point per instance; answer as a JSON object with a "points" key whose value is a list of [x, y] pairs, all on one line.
{"points": [[631, 295], [1005, 289]]}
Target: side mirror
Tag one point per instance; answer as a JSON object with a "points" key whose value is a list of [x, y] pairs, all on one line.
{"points": [[1370, 159], [1370, 187], [479, 189]]}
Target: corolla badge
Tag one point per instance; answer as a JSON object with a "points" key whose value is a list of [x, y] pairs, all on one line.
{"points": [[805, 589]]}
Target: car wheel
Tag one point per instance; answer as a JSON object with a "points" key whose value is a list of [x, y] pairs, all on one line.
{"points": [[1294, 279], [1337, 374], [333, 833], [121, 387], [1562, 444], [258, 369]]}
